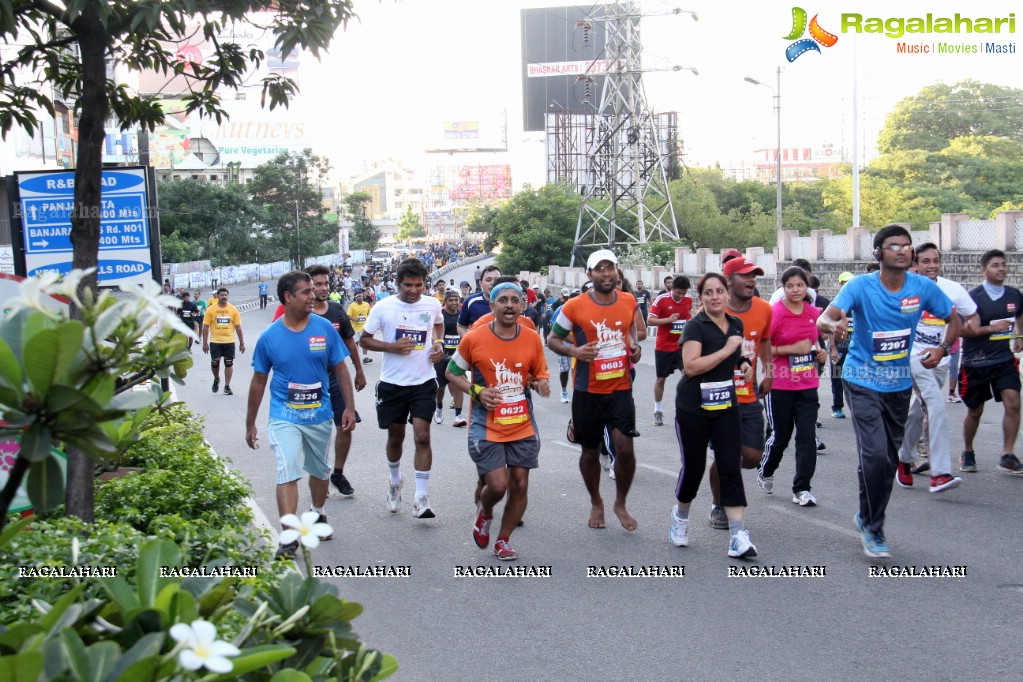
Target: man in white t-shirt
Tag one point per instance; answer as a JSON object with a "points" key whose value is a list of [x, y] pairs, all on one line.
{"points": [[811, 294], [929, 384], [409, 330]]}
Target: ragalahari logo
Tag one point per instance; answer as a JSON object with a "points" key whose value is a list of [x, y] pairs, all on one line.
{"points": [[817, 35]]}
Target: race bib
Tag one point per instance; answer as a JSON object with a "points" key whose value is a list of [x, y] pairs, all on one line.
{"points": [[514, 410], [1007, 334], [677, 326], [304, 396], [360, 318], [716, 395], [417, 334], [888, 346], [611, 363], [223, 320], [798, 364], [451, 341], [742, 389]]}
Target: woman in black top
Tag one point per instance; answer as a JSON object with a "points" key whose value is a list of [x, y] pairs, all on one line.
{"points": [[706, 410]]}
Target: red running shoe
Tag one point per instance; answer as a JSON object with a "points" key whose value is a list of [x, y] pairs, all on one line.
{"points": [[904, 475], [504, 552], [944, 482], [481, 530]]}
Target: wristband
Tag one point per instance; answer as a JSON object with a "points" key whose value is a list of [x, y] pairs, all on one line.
{"points": [[474, 393]]}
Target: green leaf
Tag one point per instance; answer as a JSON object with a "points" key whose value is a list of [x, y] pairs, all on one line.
{"points": [[66, 398], [165, 599], [255, 658], [388, 666], [12, 529], [152, 556], [121, 592], [76, 654], [10, 367], [22, 667], [36, 443], [147, 647], [53, 616], [103, 657], [46, 484], [17, 635], [290, 675], [41, 357], [132, 400], [70, 346]]}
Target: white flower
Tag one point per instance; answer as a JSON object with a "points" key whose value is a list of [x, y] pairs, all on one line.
{"points": [[156, 308], [202, 648], [68, 284], [305, 529], [34, 291]]}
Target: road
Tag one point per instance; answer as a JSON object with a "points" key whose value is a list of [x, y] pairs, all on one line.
{"points": [[705, 624]]}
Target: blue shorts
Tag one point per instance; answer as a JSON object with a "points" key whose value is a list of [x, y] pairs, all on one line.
{"points": [[299, 447]]}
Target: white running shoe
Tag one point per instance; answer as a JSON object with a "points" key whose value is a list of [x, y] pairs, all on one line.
{"points": [[804, 499], [766, 483], [679, 533], [421, 508], [741, 547], [564, 396], [438, 416], [605, 461], [394, 495]]}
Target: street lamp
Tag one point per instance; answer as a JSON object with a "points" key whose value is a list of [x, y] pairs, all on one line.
{"points": [[777, 114]]}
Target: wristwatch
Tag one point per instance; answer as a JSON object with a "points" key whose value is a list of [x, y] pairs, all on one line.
{"points": [[945, 347]]}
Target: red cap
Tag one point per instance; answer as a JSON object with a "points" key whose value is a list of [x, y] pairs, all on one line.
{"points": [[730, 253], [742, 266]]}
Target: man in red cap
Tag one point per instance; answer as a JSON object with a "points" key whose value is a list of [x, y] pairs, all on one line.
{"points": [[729, 254]]}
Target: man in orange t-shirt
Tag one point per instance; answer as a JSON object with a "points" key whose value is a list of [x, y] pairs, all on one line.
{"points": [[755, 314], [602, 324], [495, 364]]}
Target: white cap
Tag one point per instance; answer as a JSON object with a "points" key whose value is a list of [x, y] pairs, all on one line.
{"points": [[597, 256], [565, 291], [536, 286]]}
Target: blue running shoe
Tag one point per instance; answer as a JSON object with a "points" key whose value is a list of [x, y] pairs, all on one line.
{"points": [[874, 544]]}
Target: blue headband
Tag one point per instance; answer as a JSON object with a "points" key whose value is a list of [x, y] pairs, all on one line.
{"points": [[501, 287]]}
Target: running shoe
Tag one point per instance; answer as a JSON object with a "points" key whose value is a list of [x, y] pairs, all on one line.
{"points": [[820, 425], [342, 484], [838, 414], [718, 519], [367, 360], [394, 495], [968, 461], [481, 529], [953, 398], [287, 552], [227, 390], [1010, 464], [679, 533], [944, 482], [804, 498], [820, 445], [874, 544], [452, 403], [322, 518], [904, 474], [605, 460], [741, 547], [658, 418], [922, 468], [564, 396], [459, 422], [438, 415], [504, 552], [421, 508], [766, 483], [611, 472], [216, 385]]}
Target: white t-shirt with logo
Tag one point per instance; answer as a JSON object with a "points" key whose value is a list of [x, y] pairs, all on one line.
{"points": [[391, 319], [930, 331]]}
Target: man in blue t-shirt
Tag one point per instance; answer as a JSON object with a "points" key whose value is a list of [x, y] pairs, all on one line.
{"points": [[264, 293], [301, 349], [477, 305], [877, 379]]}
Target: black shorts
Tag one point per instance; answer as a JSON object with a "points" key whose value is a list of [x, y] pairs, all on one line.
{"points": [[337, 403], [222, 350], [442, 366], [752, 419], [977, 385], [666, 362], [398, 404], [591, 412]]}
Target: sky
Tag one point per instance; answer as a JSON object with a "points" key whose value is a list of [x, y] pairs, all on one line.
{"points": [[405, 66]]}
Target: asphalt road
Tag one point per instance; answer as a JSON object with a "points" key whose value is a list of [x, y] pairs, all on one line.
{"points": [[703, 625]]}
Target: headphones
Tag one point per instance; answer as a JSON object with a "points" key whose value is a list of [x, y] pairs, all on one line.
{"points": [[877, 254]]}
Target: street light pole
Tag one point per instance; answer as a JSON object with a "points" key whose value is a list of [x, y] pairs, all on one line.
{"points": [[777, 114]]}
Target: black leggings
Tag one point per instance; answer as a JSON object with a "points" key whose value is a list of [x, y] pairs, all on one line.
{"points": [[724, 432]]}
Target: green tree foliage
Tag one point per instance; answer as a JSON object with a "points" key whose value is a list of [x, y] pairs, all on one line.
{"points": [[536, 227], [294, 224], [410, 226], [207, 220], [483, 218], [364, 235], [940, 113]]}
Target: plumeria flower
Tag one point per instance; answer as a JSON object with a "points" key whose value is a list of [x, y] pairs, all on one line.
{"points": [[202, 648], [68, 284], [305, 529], [156, 308], [33, 292]]}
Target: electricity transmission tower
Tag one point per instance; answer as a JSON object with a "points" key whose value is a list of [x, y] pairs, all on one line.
{"points": [[626, 200]]}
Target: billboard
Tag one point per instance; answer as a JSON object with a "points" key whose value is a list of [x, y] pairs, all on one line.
{"points": [[562, 61], [479, 132], [483, 183]]}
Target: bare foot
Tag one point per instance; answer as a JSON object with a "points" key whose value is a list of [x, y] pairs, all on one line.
{"points": [[597, 515], [628, 523]]}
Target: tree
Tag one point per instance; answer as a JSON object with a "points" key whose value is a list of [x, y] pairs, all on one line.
{"points": [[293, 223], [482, 218], [537, 228], [940, 113], [365, 235], [208, 220], [410, 226], [137, 35]]}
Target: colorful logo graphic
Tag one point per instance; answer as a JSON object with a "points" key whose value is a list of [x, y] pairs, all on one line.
{"points": [[817, 35]]}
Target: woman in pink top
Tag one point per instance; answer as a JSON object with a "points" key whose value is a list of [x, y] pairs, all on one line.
{"points": [[792, 402]]}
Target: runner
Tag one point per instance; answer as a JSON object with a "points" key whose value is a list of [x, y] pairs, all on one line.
{"points": [[264, 293], [451, 338], [410, 329], [989, 367], [200, 304], [602, 323], [478, 304], [503, 359], [705, 400], [225, 321], [358, 313], [792, 402], [887, 307], [671, 311], [188, 313], [643, 299], [755, 315], [335, 314], [929, 384], [302, 350]]}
